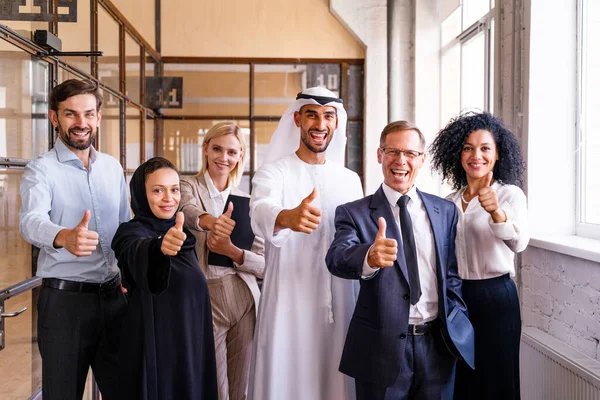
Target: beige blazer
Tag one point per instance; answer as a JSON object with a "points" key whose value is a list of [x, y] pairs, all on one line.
{"points": [[194, 200]]}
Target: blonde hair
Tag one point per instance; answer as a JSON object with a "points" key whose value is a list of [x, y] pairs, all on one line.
{"points": [[222, 129]]}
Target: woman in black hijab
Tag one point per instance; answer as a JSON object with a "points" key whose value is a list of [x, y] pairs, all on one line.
{"points": [[167, 346]]}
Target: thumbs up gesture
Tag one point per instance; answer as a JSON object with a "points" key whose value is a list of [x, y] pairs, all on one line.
{"points": [[223, 225], [174, 238], [305, 218], [489, 200], [383, 252], [78, 241]]}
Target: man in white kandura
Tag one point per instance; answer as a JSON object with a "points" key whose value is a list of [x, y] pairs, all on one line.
{"points": [[304, 311]]}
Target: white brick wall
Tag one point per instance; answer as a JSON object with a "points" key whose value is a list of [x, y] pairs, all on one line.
{"points": [[560, 295]]}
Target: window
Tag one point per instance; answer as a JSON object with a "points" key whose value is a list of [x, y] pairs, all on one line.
{"points": [[255, 95], [589, 120], [467, 58]]}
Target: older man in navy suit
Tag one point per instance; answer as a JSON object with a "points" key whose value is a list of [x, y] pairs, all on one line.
{"points": [[410, 323]]}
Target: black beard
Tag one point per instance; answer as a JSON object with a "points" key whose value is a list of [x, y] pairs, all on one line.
{"points": [[66, 137], [306, 141]]}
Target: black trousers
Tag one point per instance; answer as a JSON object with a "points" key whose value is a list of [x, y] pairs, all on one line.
{"points": [[75, 331], [427, 372], [493, 306]]}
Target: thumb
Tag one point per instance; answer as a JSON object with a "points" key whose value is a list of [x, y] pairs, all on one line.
{"points": [[488, 179], [382, 227], [85, 220], [229, 209], [312, 196], [179, 221]]}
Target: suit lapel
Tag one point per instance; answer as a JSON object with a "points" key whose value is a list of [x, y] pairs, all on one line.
{"points": [[380, 207], [203, 193], [435, 220]]}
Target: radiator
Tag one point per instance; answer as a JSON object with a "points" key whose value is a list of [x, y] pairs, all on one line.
{"points": [[552, 370]]}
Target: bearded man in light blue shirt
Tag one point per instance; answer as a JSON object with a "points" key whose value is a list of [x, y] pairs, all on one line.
{"points": [[73, 198]]}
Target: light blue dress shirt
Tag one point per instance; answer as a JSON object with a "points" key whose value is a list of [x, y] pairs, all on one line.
{"points": [[56, 190]]}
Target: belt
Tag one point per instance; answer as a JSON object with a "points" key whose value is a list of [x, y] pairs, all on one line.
{"points": [[421, 329], [83, 287]]}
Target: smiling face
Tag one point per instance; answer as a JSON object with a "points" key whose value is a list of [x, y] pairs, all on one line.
{"points": [[77, 121], [479, 154], [162, 191], [400, 172], [317, 124], [222, 155]]}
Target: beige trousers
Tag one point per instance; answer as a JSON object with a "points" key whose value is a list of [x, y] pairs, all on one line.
{"points": [[234, 318]]}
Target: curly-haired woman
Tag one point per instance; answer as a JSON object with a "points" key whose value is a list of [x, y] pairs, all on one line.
{"points": [[480, 158]]}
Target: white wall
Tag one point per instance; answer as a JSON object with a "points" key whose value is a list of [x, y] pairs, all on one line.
{"points": [[560, 293], [367, 19]]}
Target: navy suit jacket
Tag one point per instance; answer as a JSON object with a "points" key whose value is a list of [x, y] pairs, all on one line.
{"points": [[378, 329]]}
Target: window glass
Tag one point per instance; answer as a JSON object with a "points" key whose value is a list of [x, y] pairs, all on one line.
{"points": [[132, 68], [262, 136], [141, 14], [473, 73], [108, 43], [183, 142], [450, 82], [150, 73], [75, 36], [132, 138], [276, 87], [212, 89], [451, 27], [21, 352], [473, 10], [149, 132], [109, 134], [590, 118], [24, 127]]}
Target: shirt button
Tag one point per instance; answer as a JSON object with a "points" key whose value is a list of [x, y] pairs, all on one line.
{"points": [[403, 336]]}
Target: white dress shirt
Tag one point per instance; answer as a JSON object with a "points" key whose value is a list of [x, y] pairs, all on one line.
{"points": [[217, 204], [56, 190], [426, 308], [485, 249]]}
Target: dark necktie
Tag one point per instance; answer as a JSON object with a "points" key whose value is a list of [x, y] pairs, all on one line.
{"points": [[410, 250]]}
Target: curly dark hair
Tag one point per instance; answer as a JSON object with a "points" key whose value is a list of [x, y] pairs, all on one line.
{"points": [[445, 151]]}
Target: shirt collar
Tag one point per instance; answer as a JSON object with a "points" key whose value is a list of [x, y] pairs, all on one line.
{"points": [[65, 154], [393, 196], [212, 189]]}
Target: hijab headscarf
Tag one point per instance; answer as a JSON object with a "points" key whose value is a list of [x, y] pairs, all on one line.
{"points": [[141, 208], [286, 138]]}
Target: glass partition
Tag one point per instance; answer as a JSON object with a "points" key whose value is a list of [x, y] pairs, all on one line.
{"points": [[108, 43], [23, 104], [109, 134], [212, 89], [132, 68], [132, 142], [183, 142], [262, 136], [76, 36], [276, 86], [150, 136]]}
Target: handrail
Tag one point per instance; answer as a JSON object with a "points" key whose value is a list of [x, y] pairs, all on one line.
{"points": [[20, 287]]}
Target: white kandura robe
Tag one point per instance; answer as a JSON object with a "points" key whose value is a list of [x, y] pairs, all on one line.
{"points": [[304, 311]]}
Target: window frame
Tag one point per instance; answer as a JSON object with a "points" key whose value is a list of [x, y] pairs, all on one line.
{"points": [[582, 228], [484, 24]]}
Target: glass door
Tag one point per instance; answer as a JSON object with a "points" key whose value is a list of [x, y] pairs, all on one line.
{"points": [[24, 134]]}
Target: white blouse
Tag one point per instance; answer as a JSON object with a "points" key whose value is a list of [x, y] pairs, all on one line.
{"points": [[485, 249]]}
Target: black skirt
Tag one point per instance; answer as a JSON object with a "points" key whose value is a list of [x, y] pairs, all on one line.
{"points": [[493, 306]]}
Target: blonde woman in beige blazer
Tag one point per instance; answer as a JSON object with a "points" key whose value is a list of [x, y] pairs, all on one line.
{"points": [[234, 292]]}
